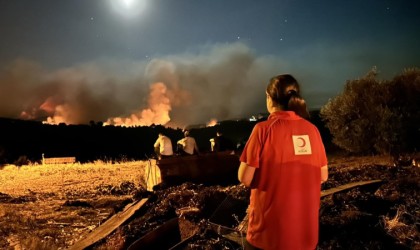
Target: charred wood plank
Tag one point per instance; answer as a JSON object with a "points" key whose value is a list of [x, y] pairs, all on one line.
{"points": [[109, 226], [347, 186]]}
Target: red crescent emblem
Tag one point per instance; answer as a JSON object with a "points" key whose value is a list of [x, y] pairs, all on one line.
{"points": [[303, 142]]}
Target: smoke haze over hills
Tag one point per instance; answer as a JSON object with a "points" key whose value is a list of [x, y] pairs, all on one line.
{"points": [[223, 81], [187, 89]]}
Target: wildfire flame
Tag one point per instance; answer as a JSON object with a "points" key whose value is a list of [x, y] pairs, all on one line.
{"points": [[159, 106], [28, 115], [157, 113], [61, 113], [212, 123], [48, 106]]}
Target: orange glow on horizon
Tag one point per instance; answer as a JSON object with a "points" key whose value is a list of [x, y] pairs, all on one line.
{"points": [[61, 115], [157, 112], [212, 123], [48, 106]]}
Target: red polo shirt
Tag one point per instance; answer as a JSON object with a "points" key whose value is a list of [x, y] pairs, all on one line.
{"points": [[288, 153]]}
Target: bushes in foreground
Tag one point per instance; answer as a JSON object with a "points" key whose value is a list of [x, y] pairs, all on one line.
{"points": [[376, 116]]}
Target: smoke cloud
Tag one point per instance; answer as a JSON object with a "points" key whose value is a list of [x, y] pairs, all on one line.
{"points": [[219, 82]]}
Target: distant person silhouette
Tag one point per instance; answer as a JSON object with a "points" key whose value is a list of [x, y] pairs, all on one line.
{"points": [[222, 143], [163, 146], [187, 145]]}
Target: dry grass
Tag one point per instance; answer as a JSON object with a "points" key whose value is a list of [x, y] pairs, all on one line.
{"points": [[63, 178], [36, 215], [396, 227], [393, 223], [357, 161]]}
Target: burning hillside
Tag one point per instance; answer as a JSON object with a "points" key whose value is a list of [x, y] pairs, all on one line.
{"points": [[175, 91]]}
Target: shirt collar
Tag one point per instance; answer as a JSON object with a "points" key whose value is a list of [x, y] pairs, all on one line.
{"points": [[287, 115]]}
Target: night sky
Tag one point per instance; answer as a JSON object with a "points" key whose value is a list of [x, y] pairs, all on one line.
{"points": [[183, 62]]}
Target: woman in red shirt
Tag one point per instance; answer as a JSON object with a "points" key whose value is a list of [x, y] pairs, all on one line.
{"points": [[284, 163]]}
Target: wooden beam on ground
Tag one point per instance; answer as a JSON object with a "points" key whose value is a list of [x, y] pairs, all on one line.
{"points": [[109, 226], [347, 186]]}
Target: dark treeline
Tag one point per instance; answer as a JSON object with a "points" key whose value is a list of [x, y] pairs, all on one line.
{"points": [[25, 141]]}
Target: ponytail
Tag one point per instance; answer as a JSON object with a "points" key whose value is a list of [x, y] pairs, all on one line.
{"points": [[297, 104], [290, 100]]}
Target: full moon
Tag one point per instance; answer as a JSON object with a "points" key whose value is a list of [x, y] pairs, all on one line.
{"points": [[128, 2], [128, 8]]}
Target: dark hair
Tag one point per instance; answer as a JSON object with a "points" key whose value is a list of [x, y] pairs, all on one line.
{"points": [[284, 90]]}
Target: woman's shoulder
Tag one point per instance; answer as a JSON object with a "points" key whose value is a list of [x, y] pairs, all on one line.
{"points": [[263, 125]]}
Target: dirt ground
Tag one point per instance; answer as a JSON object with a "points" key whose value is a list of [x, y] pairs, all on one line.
{"points": [[53, 206], [385, 215]]}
